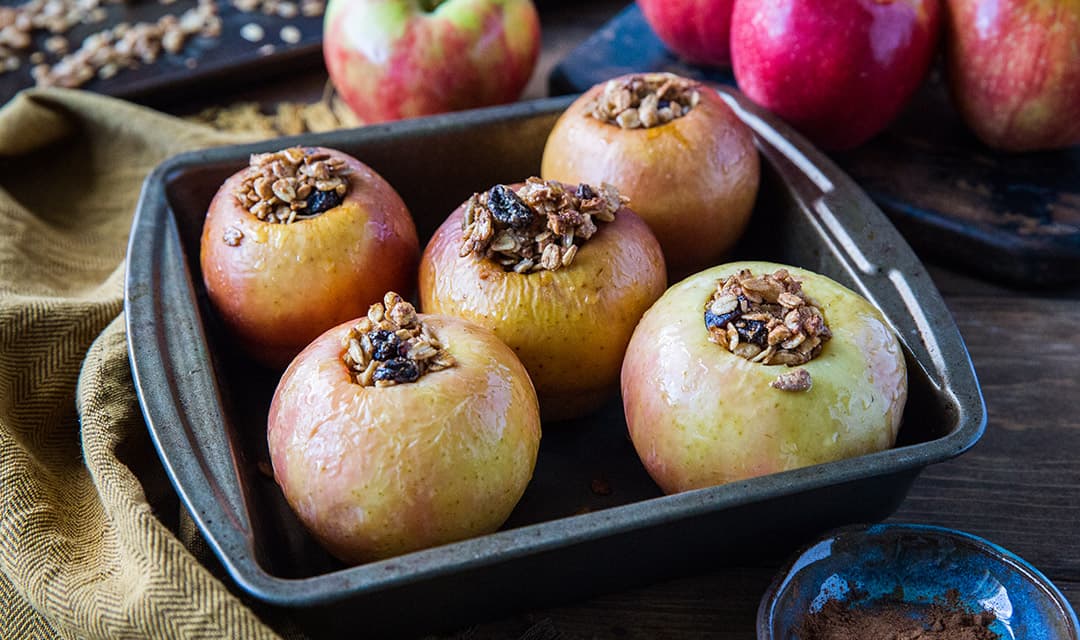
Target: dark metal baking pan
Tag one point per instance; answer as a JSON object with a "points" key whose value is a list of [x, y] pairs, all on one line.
{"points": [[591, 519]]}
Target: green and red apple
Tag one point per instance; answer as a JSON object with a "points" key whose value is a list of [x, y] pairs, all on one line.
{"points": [[699, 415], [1014, 70], [393, 59]]}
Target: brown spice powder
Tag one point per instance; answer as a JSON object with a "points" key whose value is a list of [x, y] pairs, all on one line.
{"points": [[842, 620]]}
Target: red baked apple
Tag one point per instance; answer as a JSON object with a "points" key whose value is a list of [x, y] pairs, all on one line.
{"points": [[560, 273], [299, 241], [697, 30], [840, 72], [391, 59], [399, 431], [752, 368], [693, 177], [1014, 70]]}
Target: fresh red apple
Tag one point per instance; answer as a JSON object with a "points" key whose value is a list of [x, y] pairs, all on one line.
{"points": [[392, 59], [839, 72], [569, 325], [277, 284], [700, 413], [693, 177], [697, 30], [1014, 70], [377, 470]]}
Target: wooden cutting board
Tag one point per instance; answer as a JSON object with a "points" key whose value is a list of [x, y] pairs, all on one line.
{"points": [[204, 65], [1009, 217]]}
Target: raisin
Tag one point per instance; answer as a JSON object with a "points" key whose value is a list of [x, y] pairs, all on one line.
{"points": [[386, 344], [663, 103], [397, 370], [753, 331], [508, 208], [722, 320], [320, 201], [584, 192]]}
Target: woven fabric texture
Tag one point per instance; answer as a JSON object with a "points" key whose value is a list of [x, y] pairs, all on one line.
{"points": [[89, 524]]}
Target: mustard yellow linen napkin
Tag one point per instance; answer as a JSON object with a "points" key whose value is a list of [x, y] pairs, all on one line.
{"points": [[88, 521]]}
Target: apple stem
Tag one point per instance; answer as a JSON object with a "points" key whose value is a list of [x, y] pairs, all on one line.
{"points": [[430, 5]]}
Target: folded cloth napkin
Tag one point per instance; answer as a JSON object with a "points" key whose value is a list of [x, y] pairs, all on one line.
{"points": [[90, 529]]}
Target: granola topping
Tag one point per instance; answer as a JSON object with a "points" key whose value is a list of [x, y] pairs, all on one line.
{"points": [[767, 319], [540, 226], [794, 380], [292, 184], [393, 346], [645, 100]]}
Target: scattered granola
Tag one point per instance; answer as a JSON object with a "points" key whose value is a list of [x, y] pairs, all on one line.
{"points": [[794, 380], [767, 319], [645, 100], [540, 226], [125, 45], [292, 184], [392, 345]]}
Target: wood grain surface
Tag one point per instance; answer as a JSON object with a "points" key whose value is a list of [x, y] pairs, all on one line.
{"points": [[1019, 486]]}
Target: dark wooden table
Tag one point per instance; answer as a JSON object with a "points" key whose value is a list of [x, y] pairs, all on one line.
{"points": [[1019, 487]]}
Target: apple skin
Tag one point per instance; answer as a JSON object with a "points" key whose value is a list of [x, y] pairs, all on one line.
{"points": [[694, 180], [569, 327], [285, 284], [1014, 71], [392, 59], [376, 472], [839, 72], [699, 31], [701, 416]]}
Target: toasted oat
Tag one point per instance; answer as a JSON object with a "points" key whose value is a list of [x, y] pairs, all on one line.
{"points": [[538, 227], [645, 100], [392, 345], [292, 184], [794, 380], [766, 319]]}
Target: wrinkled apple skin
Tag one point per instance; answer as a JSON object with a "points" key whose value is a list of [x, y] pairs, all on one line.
{"points": [[693, 180], [285, 284], [1014, 70], [376, 472], [569, 327], [701, 416], [697, 30], [839, 72], [391, 59]]}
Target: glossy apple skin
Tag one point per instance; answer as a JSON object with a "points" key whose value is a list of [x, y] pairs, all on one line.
{"points": [[693, 180], [391, 59], [377, 472], [701, 416], [840, 72], [1014, 70], [287, 283], [697, 30], [569, 327]]}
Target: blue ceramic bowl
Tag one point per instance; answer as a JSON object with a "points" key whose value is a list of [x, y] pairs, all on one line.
{"points": [[925, 562]]}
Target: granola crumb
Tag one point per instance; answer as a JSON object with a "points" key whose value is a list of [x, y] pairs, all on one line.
{"points": [[233, 236], [539, 227], [645, 100], [794, 380], [293, 184], [766, 319], [392, 345]]}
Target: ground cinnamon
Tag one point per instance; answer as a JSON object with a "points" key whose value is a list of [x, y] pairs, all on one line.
{"points": [[897, 620]]}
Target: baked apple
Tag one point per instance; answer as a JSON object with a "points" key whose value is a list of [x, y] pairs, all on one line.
{"points": [[751, 368], [400, 431], [560, 273], [299, 241], [682, 156]]}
